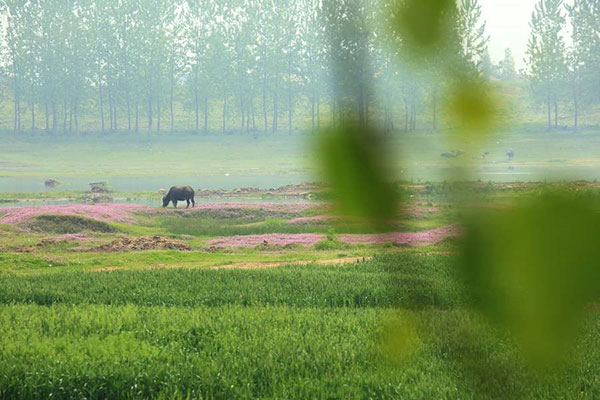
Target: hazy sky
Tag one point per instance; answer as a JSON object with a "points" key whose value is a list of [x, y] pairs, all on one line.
{"points": [[508, 26]]}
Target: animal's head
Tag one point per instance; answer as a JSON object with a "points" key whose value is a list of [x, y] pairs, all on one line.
{"points": [[166, 201]]}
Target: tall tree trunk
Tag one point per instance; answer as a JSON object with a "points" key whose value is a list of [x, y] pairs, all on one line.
{"points": [[197, 110], [150, 111], [71, 118], [46, 111], [171, 95], [242, 112], [555, 114], [264, 103], [224, 112], [128, 112], [64, 116], [54, 117], [576, 111], [158, 111], [101, 105], [435, 109], [549, 114], [361, 105], [137, 115], [318, 112], [205, 115], [253, 116], [17, 127], [312, 111], [115, 113], [290, 128], [275, 112], [32, 117], [76, 116], [110, 109]]}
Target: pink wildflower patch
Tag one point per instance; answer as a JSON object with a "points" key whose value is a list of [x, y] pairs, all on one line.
{"points": [[310, 239], [113, 212]]}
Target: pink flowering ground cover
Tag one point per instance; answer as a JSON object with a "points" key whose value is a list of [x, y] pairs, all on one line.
{"points": [[310, 239], [111, 212]]}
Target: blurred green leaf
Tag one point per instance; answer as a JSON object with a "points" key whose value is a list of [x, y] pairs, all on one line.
{"points": [[473, 106], [424, 23], [532, 269], [353, 163]]}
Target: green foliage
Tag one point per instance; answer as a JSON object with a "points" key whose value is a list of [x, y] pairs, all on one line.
{"points": [[532, 268], [330, 242], [353, 162]]}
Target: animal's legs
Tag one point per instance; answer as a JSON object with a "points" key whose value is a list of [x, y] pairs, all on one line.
{"points": [[188, 203], [193, 203], [175, 203]]}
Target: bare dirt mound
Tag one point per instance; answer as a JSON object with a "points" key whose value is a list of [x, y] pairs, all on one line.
{"points": [[143, 243]]}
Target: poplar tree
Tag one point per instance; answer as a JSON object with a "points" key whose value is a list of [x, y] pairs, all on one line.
{"points": [[546, 55]]}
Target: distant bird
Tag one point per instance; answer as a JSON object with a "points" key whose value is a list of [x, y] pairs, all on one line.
{"points": [[510, 153]]}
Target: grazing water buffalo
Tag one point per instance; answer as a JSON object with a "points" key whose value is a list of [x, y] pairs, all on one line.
{"points": [[179, 193]]}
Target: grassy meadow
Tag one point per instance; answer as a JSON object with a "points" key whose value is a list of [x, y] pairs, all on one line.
{"points": [[381, 320]]}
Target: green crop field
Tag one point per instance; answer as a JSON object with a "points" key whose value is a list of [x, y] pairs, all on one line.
{"points": [[80, 319]]}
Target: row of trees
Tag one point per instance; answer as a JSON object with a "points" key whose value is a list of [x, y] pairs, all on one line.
{"points": [[132, 64], [559, 73]]}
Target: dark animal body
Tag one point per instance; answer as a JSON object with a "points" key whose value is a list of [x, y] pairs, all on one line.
{"points": [[179, 193]]}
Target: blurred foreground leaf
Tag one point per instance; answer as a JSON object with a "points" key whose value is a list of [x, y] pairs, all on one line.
{"points": [[533, 268], [353, 164], [424, 24], [473, 106]]}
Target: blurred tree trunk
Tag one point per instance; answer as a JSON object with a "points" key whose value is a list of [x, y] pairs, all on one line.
{"points": [[224, 112], [172, 81], [205, 115], [158, 111], [101, 106], [318, 112], [264, 102], [150, 110], [47, 114], [137, 116], [275, 112], [128, 111]]}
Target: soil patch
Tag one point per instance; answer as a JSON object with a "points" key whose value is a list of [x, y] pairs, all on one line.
{"points": [[143, 243]]}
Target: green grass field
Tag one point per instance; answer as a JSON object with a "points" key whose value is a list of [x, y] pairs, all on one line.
{"points": [[272, 322]]}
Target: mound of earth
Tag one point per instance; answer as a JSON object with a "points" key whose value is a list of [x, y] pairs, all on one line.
{"points": [[65, 224], [143, 243], [114, 212]]}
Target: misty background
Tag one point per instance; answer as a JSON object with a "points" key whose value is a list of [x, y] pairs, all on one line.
{"points": [[259, 69]]}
